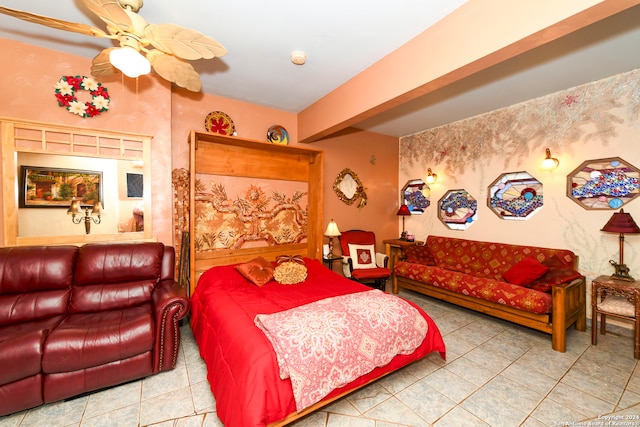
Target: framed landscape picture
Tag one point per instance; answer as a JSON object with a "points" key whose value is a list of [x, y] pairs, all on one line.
{"points": [[43, 187]]}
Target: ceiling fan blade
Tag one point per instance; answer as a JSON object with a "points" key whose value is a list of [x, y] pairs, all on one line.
{"points": [[183, 42], [112, 14], [175, 70], [101, 66], [58, 24]]}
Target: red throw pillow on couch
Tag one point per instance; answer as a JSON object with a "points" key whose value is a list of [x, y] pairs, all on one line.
{"points": [[419, 254], [525, 272], [558, 273]]}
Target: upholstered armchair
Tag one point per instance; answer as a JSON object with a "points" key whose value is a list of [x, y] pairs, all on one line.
{"points": [[360, 261]]}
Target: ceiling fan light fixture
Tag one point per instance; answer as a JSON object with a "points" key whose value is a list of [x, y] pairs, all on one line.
{"points": [[129, 61]]}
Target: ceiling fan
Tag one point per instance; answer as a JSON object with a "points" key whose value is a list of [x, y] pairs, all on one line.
{"points": [[165, 47]]}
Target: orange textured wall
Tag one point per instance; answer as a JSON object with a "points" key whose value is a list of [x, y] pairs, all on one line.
{"points": [[29, 74], [374, 158]]}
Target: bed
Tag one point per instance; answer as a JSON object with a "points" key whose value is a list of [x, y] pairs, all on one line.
{"points": [[242, 364], [236, 212]]}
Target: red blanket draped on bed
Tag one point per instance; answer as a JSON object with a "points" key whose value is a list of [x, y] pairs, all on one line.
{"points": [[242, 365]]}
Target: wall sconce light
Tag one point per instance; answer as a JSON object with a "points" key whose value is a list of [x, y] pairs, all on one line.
{"points": [[75, 210], [331, 232], [549, 163], [404, 211], [431, 177], [621, 222]]}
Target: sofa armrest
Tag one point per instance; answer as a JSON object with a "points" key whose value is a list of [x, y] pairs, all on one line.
{"points": [[170, 305]]}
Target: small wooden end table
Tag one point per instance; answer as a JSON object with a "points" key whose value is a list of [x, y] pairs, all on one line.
{"points": [[393, 248], [329, 261], [604, 287]]}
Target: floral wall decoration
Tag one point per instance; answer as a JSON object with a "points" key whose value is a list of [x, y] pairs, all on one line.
{"points": [[581, 114], [258, 215]]}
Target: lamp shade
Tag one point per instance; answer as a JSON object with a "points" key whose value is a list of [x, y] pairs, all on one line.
{"points": [[621, 222], [75, 208], [404, 210], [97, 209], [332, 230], [129, 61]]}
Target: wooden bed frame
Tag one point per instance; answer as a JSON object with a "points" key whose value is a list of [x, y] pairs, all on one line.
{"points": [[230, 156]]}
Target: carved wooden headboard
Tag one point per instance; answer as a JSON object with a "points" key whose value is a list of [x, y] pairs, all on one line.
{"points": [[278, 211]]}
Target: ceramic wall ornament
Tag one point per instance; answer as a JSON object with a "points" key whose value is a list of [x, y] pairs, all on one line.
{"points": [[515, 196], [457, 209], [348, 188], [219, 122], [416, 194], [608, 183], [277, 134]]}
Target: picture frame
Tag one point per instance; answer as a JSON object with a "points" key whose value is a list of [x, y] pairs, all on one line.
{"points": [[45, 187], [135, 185]]}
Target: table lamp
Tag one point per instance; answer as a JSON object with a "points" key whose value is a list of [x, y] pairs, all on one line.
{"points": [[622, 223], [403, 211], [331, 232]]}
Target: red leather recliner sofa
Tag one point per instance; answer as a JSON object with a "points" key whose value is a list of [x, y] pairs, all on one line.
{"points": [[78, 319]]}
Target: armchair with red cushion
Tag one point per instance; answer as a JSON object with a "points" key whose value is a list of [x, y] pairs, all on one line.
{"points": [[360, 261]]}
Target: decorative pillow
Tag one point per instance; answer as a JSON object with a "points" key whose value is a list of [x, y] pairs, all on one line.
{"points": [[290, 270], [363, 256], [525, 271], [555, 276], [419, 254], [258, 271]]}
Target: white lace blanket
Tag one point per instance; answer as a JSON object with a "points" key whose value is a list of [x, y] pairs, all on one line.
{"points": [[329, 343]]}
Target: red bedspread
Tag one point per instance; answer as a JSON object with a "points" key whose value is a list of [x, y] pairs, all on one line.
{"points": [[242, 366]]}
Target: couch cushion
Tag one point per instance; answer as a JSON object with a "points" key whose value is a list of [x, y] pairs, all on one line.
{"points": [[479, 287], [21, 347], [362, 256], [555, 276], [525, 271], [90, 339], [488, 259], [35, 282], [112, 276], [419, 254]]}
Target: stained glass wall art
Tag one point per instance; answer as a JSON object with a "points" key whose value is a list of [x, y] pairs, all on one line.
{"points": [[515, 196], [457, 209]]}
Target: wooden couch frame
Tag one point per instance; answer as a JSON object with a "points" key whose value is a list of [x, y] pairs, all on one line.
{"points": [[568, 306]]}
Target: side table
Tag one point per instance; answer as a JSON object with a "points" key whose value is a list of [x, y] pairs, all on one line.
{"points": [[329, 261], [618, 298], [393, 248]]}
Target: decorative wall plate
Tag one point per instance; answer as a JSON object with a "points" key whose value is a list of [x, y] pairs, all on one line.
{"points": [[416, 194], [515, 196], [219, 122], [604, 183], [457, 209], [278, 135]]}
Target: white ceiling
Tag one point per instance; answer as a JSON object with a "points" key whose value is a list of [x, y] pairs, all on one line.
{"points": [[342, 38]]}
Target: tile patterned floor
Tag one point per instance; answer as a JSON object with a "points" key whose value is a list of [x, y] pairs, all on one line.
{"points": [[496, 374]]}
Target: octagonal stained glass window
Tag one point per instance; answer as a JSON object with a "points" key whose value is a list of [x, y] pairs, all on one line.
{"points": [[457, 209], [604, 183], [417, 196], [515, 196]]}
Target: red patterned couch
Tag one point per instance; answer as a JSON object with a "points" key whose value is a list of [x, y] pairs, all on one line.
{"points": [[78, 319], [532, 286]]}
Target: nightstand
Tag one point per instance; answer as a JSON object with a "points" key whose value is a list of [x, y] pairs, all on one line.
{"points": [[393, 248], [329, 261], [618, 298]]}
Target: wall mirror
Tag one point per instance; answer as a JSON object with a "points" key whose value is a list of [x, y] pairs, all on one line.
{"points": [[47, 166], [349, 188]]}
